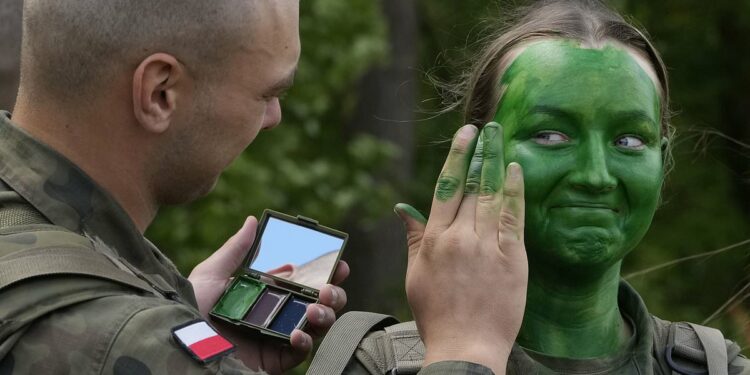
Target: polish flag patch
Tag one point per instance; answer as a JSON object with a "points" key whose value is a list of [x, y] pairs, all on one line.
{"points": [[202, 341]]}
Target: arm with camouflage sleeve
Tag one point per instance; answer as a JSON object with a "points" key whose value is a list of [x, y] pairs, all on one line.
{"points": [[144, 345]]}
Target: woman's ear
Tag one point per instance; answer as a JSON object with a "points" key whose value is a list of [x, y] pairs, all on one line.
{"points": [[156, 94], [664, 144]]}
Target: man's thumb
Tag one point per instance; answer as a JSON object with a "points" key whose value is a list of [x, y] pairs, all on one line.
{"points": [[223, 262]]}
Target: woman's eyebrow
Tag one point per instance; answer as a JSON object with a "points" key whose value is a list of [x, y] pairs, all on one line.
{"points": [[553, 111], [635, 116]]}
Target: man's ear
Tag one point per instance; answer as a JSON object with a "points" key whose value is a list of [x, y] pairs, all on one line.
{"points": [[155, 91]]}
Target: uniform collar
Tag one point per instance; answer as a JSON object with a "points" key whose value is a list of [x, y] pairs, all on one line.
{"points": [[68, 197]]}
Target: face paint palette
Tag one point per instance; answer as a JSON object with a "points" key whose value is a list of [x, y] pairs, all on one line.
{"points": [[290, 260]]}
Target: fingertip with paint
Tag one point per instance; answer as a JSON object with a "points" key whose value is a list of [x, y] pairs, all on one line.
{"points": [[405, 211]]}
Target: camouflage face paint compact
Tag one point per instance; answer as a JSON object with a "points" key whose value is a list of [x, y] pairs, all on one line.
{"points": [[291, 259]]}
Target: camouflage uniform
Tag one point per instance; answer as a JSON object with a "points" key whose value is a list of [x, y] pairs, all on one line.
{"points": [[86, 325], [644, 355]]}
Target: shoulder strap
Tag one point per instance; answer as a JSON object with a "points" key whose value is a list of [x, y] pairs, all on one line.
{"points": [[76, 257], [342, 340], [692, 349], [408, 348], [715, 348], [64, 261]]}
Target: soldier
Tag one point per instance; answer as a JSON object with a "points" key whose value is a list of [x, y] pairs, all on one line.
{"points": [[127, 106], [583, 100]]}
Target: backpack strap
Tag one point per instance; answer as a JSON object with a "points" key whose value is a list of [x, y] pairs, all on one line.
{"points": [[41, 262], [407, 347], [690, 349], [342, 340]]}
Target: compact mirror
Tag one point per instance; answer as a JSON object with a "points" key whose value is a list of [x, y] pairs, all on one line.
{"points": [[292, 258], [296, 253]]}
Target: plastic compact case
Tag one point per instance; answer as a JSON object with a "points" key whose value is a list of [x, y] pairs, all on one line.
{"points": [[290, 260]]}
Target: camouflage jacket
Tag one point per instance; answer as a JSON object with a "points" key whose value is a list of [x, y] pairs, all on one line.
{"points": [[645, 353], [84, 325]]}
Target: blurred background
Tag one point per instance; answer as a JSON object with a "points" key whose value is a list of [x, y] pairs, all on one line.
{"points": [[361, 133]]}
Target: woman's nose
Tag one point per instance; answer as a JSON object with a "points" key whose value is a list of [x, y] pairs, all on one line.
{"points": [[592, 172]]}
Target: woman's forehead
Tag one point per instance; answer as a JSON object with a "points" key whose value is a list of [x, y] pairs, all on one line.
{"points": [[550, 54], [565, 71]]}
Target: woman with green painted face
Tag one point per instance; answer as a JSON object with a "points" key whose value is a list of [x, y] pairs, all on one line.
{"points": [[579, 99]]}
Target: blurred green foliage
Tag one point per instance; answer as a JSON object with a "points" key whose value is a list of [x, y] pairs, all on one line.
{"points": [[311, 165]]}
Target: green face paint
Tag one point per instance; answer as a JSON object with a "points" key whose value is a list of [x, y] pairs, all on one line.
{"points": [[584, 124], [238, 298]]}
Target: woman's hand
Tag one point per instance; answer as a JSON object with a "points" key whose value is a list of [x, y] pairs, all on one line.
{"points": [[212, 276], [467, 269]]}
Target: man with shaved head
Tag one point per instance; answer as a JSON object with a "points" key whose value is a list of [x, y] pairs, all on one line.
{"points": [[125, 106]]}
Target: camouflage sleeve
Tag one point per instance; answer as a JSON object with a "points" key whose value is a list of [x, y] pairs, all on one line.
{"points": [[440, 368], [144, 345]]}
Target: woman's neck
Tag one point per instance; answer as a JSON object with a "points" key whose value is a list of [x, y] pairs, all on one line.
{"points": [[573, 317]]}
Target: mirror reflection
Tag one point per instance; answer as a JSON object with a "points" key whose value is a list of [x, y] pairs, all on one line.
{"points": [[296, 253]]}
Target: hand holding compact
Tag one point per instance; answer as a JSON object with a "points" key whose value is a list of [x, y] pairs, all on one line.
{"points": [[467, 268], [211, 277]]}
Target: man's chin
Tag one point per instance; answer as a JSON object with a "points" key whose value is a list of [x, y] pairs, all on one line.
{"points": [[188, 192]]}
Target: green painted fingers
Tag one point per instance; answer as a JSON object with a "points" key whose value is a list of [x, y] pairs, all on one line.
{"points": [[484, 175], [483, 167], [493, 163], [453, 176]]}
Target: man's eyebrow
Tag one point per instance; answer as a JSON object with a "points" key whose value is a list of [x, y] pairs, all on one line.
{"points": [[283, 85]]}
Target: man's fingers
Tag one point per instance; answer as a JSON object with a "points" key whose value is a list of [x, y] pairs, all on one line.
{"points": [[300, 346], [301, 342], [222, 263], [490, 187], [450, 185], [333, 297], [342, 272], [319, 319], [512, 214]]}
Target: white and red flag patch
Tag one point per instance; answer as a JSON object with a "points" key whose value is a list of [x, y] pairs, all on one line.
{"points": [[202, 341]]}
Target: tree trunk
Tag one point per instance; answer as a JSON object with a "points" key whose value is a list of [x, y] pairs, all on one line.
{"points": [[735, 102], [10, 51], [387, 97]]}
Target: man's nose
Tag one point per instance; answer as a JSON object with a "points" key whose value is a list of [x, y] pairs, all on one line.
{"points": [[273, 114], [592, 172]]}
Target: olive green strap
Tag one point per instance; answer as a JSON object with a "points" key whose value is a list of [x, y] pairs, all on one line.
{"points": [[408, 348], [715, 348], [338, 347], [34, 263]]}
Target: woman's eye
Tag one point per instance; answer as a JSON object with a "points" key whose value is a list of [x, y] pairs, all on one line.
{"points": [[550, 138], [630, 142]]}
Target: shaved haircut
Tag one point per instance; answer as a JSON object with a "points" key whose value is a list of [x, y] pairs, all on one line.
{"points": [[75, 47]]}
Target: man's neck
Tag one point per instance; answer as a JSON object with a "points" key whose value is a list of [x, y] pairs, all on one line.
{"points": [[102, 149], [573, 318]]}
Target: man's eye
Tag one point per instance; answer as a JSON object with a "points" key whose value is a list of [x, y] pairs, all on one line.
{"points": [[550, 138], [630, 142]]}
